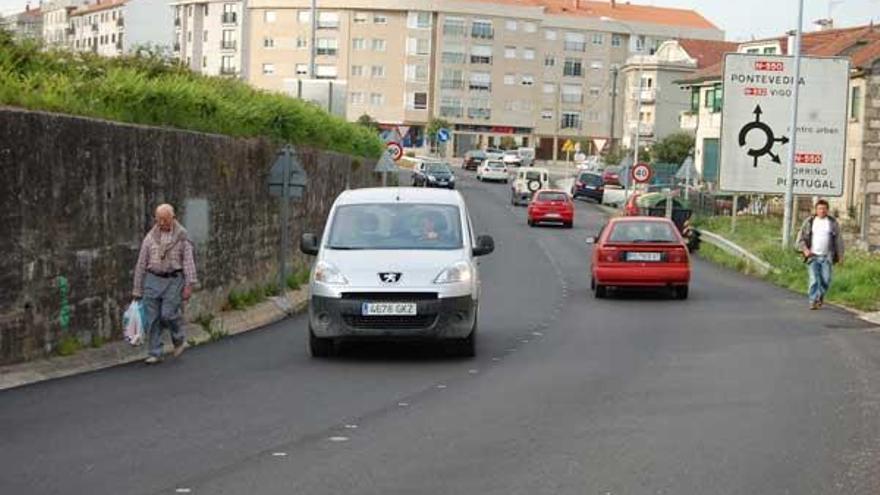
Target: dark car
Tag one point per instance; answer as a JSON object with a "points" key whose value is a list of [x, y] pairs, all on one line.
{"points": [[435, 175], [588, 185], [473, 159], [611, 176]]}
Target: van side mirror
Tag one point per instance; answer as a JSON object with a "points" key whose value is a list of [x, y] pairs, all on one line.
{"points": [[592, 240], [485, 245], [308, 244]]}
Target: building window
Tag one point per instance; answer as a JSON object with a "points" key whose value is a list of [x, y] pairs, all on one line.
{"points": [[268, 69], [510, 25], [227, 42], [418, 46], [377, 99], [482, 30], [529, 54], [509, 79], [268, 42], [325, 71], [328, 20], [527, 80], [417, 72], [571, 120], [478, 108], [530, 27], [205, 36], [360, 18], [573, 67], [229, 14], [595, 91], [304, 16], [451, 107], [357, 70], [454, 27], [572, 93], [326, 46], [480, 81], [419, 101], [226, 66], [640, 43], [301, 42], [357, 98], [379, 45], [575, 42], [380, 19], [594, 116], [616, 40], [419, 20], [770, 50], [855, 103], [205, 13], [453, 53], [510, 52], [598, 39], [359, 44], [550, 35], [302, 69], [452, 79], [714, 98], [549, 61], [270, 16], [753, 51], [481, 54], [377, 71], [546, 114], [549, 88], [204, 62]]}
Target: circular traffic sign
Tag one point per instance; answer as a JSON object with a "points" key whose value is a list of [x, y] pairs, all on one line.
{"points": [[641, 173], [443, 135], [395, 150]]}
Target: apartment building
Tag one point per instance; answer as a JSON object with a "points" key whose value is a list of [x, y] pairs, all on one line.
{"points": [[209, 36], [56, 22], [662, 100], [860, 202], [113, 27], [24, 25], [537, 71]]}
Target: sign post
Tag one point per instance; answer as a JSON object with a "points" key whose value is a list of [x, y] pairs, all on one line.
{"points": [[759, 119], [792, 150], [287, 181], [384, 165]]}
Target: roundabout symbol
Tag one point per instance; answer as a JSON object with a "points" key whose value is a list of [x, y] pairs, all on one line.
{"points": [[769, 141]]}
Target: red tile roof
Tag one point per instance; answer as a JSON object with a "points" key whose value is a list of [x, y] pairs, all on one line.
{"points": [[707, 52], [621, 11], [97, 7]]}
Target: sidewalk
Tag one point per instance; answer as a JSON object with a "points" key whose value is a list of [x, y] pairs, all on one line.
{"points": [[119, 352]]}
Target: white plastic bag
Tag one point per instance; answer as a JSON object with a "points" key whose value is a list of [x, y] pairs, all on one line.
{"points": [[133, 323]]}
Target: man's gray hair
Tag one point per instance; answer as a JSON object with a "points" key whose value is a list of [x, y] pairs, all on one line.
{"points": [[165, 208]]}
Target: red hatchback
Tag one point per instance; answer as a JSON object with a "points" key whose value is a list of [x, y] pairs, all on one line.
{"points": [[551, 206], [640, 252]]}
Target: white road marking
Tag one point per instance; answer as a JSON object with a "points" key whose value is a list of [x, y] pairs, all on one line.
{"points": [[441, 386], [338, 439], [279, 454], [403, 404], [525, 341], [183, 490], [351, 427], [496, 359], [537, 334], [473, 372]]}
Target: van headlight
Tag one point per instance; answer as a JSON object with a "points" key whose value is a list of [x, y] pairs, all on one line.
{"points": [[327, 273], [455, 273]]}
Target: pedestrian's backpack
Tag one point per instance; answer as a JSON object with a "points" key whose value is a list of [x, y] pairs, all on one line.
{"points": [[133, 323]]}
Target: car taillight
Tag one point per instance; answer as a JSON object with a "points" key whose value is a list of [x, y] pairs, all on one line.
{"points": [[677, 255], [608, 255]]}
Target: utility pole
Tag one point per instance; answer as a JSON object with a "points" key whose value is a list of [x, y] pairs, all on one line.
{"points": [[312, 47], [613, 104], [789, 172], [637, 131]]}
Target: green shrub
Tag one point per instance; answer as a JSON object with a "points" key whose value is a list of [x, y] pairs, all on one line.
{"points": [[68, 346], [298, 278], [147, 89]]}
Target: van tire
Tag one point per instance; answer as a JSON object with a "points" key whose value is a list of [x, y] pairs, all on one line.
{"points": [[321, 347], [681, 292], [601, 291]]}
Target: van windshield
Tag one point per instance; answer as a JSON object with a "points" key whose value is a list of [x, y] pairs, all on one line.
{"points": [[396, 226]]}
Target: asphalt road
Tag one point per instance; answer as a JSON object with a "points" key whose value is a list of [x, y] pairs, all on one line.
{"points": [[738, 390]]}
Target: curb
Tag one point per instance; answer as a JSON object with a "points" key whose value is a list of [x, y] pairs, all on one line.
{"points": [[118, 352]]}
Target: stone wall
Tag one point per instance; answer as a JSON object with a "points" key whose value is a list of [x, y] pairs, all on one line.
{"points": [[77, 196], [871, 157]]}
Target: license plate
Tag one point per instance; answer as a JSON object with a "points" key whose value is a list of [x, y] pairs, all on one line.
{"points": [[553, 215], [643, 257], [388, 309]]}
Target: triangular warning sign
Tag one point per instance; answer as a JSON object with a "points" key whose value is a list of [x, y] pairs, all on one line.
{"points": [[599, 143]]}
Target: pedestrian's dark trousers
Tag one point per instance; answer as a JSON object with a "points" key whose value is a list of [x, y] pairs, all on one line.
{"points": [[162, 307]]}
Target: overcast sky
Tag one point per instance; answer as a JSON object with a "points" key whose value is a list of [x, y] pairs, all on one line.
{"points": [[740, 19]]}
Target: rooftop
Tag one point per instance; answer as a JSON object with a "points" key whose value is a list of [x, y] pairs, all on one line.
{"points": [[98, 6], [707, 52]]}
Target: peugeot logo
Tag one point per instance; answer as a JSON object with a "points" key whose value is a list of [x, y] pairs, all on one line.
{"points": [[390, 277]]}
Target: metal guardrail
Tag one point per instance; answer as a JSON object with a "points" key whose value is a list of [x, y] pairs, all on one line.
{"points": [[735, 249]]}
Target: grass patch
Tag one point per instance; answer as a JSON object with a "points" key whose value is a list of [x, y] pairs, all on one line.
{"points": [[68, 346], [855, 283], [97, 341], [152, 90], [298, 278]]}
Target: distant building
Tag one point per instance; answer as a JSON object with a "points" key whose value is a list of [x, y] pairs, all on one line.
{"points": [[208, 35], [114, 27], [24, 25], [56, 22]]}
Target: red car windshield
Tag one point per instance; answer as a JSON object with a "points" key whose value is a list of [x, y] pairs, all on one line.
{"points": [[638, 232], [551, 196]]}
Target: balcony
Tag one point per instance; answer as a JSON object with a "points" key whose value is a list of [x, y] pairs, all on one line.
{"points": [[227, 71], [688, 121], [229, 18], [480, 86], [120, 21], [177, 22], [479, 113], [451, 112], [70, 31], [177, 47], [645, 129], [572, 98], [575, 46], [228, 45], [95, 27], [482, 33], [328, 24], [481, 60], [452, 84], [454, 31], [119, 45], [453, 58], [647, 95]]}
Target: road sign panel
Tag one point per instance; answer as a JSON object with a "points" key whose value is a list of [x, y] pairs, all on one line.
{"points": [[386, 163], [642, 173], [568, 146], [756, 115], [287, 161], [443, 135], [599, 143], [395, 149]]}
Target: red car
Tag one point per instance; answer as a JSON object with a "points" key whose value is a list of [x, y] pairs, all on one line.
{"points": [[640, 252], [551, 205], [631, 209], [611, 176]]}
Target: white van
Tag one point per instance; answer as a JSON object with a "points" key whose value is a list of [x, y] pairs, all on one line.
{"points": [[527, 182], [393, 264]]}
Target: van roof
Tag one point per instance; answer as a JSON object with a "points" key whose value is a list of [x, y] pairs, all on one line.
{"points": [[411, 195]]}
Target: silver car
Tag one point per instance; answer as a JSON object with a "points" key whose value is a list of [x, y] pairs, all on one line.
{"points": [[395, 264]]}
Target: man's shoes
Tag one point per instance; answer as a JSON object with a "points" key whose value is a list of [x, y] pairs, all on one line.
{"points": [[178, 349], [821, 301], [814, 305], [152, 360]]}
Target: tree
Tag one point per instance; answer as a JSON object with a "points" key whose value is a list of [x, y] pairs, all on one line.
{"points": [[369, 122], [674, 148], [434, 126], [616, 155]]}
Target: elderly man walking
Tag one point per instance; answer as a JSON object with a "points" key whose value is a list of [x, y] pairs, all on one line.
{"points": [[163, 279], [822, 245]]}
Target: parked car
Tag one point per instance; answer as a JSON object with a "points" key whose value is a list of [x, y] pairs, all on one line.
{"points": [[527, 156], [473, 159], [395, 264], [434, 174], [493, 170], [511, 158], [640, 252], [494, 154], [554, 206], [611, 176], [526, 183], [588, 185]]}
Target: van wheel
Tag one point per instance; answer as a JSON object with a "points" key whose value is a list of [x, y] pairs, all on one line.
{"points": [[681, 292], [568, 225], [601, 291], [321, 348], [466, 347]]}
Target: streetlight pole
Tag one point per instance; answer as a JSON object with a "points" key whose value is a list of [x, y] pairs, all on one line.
{"points": [[314, 38], [789, 172]]}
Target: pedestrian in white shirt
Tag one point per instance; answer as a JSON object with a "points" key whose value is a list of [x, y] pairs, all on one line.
{"points": [[820, 242]]}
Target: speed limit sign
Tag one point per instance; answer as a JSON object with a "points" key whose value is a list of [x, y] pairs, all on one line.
{"points": [[641, 173], [395, 150]]}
